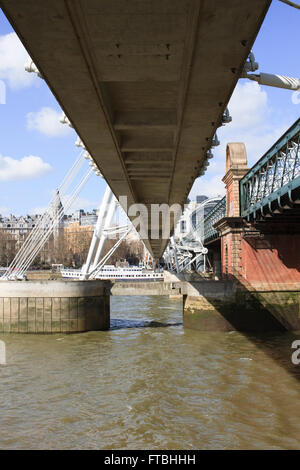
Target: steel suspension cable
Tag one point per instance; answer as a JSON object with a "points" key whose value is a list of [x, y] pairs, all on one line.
{"points": [[96, 270], [55, 223], [46, 217]]}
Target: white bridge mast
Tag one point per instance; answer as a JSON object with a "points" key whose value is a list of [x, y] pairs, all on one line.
{"points": [[106, 214]]}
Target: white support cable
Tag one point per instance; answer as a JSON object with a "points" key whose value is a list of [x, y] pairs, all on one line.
{"points": [[188, 257], [72, 172], [102, 212], [27, 246], [274, 80], [183, 262], [269, 79], [105, 234], [101, 263], [291, 4], [115, 230], [37, 245], [53, 226], [46, 217], [106, 223], [196, 257], [40, 243], [185, 257], [110, 252], [23, 250], [33, 238], [55, 222], [175, 254], [42, 240]]}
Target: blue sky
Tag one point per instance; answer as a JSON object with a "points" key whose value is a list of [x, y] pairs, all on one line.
{"points": [[36, 150]]}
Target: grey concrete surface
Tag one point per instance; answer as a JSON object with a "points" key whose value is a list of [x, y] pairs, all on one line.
{"points": [[53, 306], [145, 83]]}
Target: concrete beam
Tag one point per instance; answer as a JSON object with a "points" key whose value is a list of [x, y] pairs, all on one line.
{"points": [[141, 77], [146, 119]]}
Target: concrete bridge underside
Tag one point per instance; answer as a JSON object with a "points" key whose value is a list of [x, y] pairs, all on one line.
{"points": [[144, 83]]}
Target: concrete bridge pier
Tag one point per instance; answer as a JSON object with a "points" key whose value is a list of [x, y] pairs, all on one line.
{"points": [[260, 268], [227, 306], [54, 306]]}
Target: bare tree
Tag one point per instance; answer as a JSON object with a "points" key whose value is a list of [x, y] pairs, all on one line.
{"points": [[68, 247], [130, 251], [8, 245]]}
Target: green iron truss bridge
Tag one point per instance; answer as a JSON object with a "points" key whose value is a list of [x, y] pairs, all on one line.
{"points": [[275, 175], [274, 180], [217, 213]]}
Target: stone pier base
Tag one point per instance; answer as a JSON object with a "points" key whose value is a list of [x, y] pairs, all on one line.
{"points": [[227, 306], [53, 306]]}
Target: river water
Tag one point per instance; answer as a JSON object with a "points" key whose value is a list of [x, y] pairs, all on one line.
{"points": [[147, 383]]}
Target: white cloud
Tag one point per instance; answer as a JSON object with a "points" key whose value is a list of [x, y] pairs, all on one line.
{"points": [[4, 210], [12, 64], [47, 121], [27, 168], [248, 106], [254, 123]]}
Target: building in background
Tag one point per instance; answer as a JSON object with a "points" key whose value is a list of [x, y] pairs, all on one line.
{"points": [[69, 244], [87, 219], [193, 214]]}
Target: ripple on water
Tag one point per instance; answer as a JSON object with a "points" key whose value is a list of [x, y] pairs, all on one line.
{"points": [[148, 383]]}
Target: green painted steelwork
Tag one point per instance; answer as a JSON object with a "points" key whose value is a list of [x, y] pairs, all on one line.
{"points": [[217, 213], [275, 175]]}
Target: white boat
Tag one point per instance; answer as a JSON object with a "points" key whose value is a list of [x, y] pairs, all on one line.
{"points": [[118, 274]]}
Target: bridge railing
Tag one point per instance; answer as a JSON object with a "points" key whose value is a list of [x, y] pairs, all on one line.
{"points": [[276, 174], [217, 213]]}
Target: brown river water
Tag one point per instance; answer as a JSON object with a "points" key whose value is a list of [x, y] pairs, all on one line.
{"points": [[147, 383]]}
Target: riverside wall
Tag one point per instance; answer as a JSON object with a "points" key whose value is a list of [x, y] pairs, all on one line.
{"points": [[227, 305], [207, 305]]}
